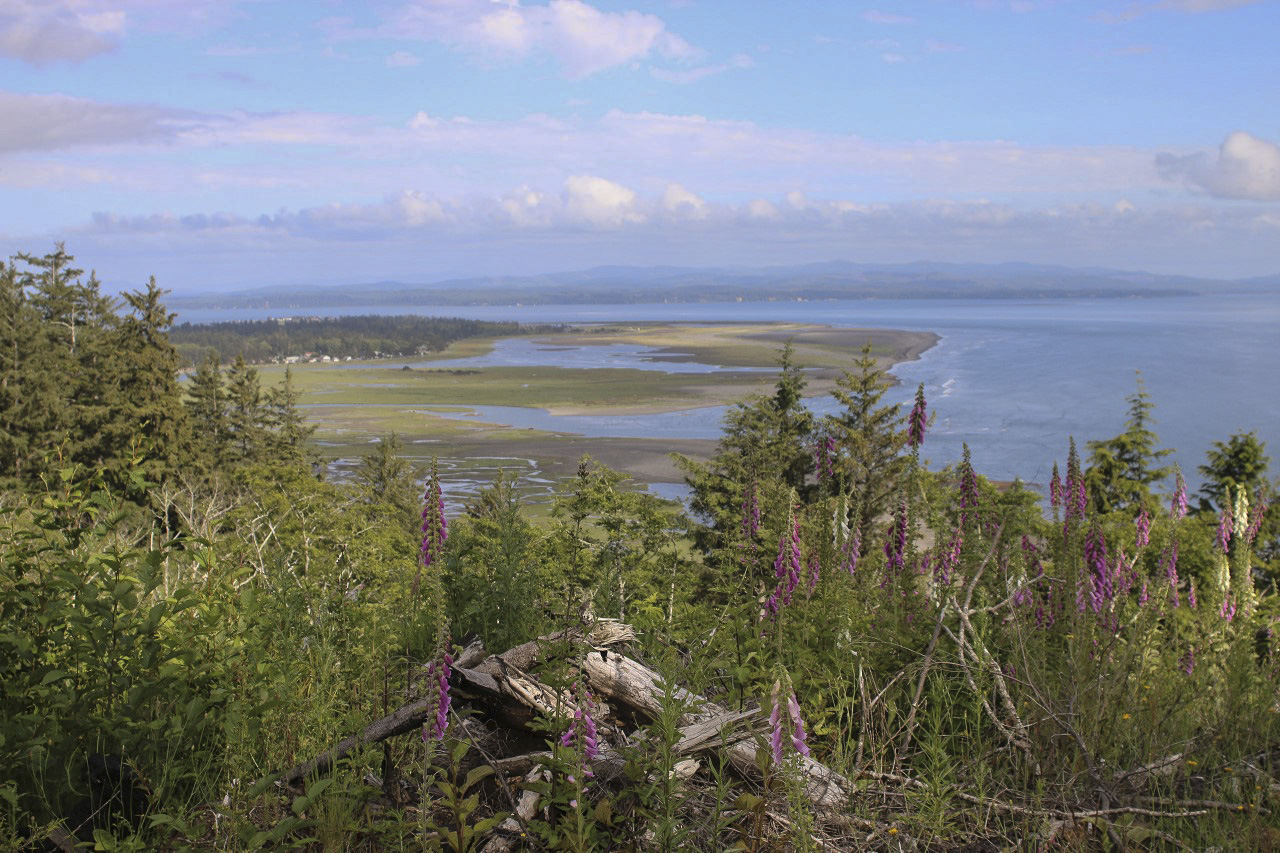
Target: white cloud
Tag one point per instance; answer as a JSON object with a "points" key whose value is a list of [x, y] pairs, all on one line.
{"points": [[600, 202], [1200, 6], [1246, 168], [680, 203], [529, 230], [584, 39]]}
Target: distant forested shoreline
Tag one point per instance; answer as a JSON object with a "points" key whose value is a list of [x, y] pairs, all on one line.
{"points": [[369, 336]]}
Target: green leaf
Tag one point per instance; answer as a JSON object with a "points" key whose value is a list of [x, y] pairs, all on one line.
{"points": [[52, 676], [480, 773]]}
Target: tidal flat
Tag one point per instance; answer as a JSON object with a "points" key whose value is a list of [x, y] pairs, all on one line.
{"points": [[428, 400]]}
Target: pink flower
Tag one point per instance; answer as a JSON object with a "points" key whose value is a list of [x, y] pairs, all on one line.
{"points": [[1143, 525], [438, 672], [1224, 531], [792, 721], [1178, 506], [918, 420], [435, 528]]}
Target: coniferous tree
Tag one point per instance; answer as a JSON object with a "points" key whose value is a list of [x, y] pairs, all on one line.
{"points": [[245, 415], [147, 418], [764, 446], [870, 437], [288, 434], [1240, 462], [29, 402], [1123, 469], [388, 479], [206, 406]]}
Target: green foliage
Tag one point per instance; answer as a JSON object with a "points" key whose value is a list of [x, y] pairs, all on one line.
{"points": [[104, 652], [870, 437], [764, 445], [1240, 462], [1123, 469], [983, 661]]}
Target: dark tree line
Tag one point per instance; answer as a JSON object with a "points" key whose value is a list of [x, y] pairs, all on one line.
{"points": [[358, 337], [89, 381]]}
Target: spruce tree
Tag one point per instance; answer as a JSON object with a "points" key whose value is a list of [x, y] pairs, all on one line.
{"points": [[288, 434], [764, 446], [245, 415], [206, 406], [147, 416], [1122, 470], [870, 437]]}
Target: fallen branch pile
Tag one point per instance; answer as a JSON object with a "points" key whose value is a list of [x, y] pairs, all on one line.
{"points": [[501, 699]]}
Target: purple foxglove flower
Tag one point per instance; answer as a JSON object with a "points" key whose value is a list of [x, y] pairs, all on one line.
{"points": [[1178, 506], [1143, 525], [775, 724], [435, 528], [1055, 489], [1191, 594], [581, 733], [1228, 609], [1224, 531], [852, 547], [895, 545], [1143, 598], [1259, 513], [1075, 497], [1095, 555], [797, 726], [968, 485], [438, 675], [1188, 661], [918, 420]]}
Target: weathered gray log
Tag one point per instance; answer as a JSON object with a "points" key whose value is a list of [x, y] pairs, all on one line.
{"points": [[634, 684]]}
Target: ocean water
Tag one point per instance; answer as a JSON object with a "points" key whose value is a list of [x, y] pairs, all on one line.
{"points": [[1014, 379]]}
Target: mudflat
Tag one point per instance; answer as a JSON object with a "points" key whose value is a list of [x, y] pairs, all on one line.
{"points": [[429, 405]]}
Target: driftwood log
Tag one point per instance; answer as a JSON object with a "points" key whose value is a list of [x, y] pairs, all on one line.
{"points": [[500, 686], [506, 698]]}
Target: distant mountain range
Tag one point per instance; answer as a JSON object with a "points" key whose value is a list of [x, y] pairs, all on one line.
{"points": [[830, 280]]}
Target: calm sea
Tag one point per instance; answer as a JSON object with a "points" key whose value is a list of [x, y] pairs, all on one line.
{"points": [[1012, 378]]}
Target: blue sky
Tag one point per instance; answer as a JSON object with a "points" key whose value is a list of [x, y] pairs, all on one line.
{"points": [[223, 144]]}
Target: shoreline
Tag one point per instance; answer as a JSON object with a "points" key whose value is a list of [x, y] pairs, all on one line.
{"points": [[826, 350]]}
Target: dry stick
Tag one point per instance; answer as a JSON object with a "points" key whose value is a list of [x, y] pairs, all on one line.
{"points": [[1197, 808], [862, 729], [399, 722], [924, 672]]}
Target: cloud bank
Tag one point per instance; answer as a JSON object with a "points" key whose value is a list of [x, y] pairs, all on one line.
{"points": [[1245, 167], [584, 39]]}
